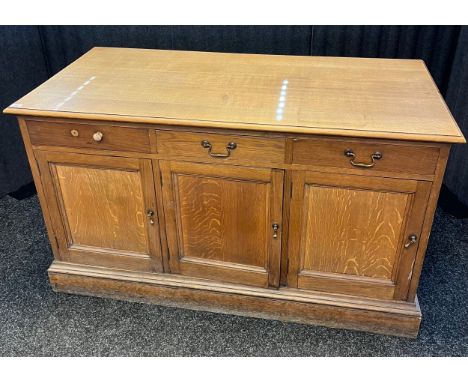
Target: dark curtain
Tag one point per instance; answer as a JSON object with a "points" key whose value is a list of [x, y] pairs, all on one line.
{"points": [[29, 55], [22, 68], [456, 176]]}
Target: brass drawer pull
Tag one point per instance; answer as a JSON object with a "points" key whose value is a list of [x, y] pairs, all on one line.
{"points": [[230, 146], [412, 240], [350, 154], [97, 136]]}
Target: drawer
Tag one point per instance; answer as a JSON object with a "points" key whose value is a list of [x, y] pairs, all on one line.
{"points": [[88, 136], [388, 157], [222, 148]]}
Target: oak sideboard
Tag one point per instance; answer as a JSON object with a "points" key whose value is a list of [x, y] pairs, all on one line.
{"points": [[283, 187]]}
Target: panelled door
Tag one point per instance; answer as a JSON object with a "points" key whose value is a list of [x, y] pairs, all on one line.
{"points": [[223, 222], [354, 235], [103, 209]]}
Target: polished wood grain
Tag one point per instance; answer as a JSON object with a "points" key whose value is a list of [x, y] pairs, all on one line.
{"points": [[104, 207], [99, 206], [347, 233], [220, 221], [363, 97], [249, 149], [353, 232], [81, 135], [409, 159], [215, 213]]}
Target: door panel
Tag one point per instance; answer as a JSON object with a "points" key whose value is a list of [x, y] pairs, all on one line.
{"points": [[220, 220], [209, 207], [100, 209], [96, 217], [352, 232], [348, 233]]}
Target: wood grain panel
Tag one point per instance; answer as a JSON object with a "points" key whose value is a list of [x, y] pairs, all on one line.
{"points": [[219, 221], [104, 207], [224, 271], [347, 234], [103, 257], [176, 145], [346, 284], [98, 207], [397, 158], [223, 219], [344, 96], [355, 232]]}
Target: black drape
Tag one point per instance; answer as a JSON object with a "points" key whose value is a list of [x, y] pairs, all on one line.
{"points": [[22, 68], [29, 55]]}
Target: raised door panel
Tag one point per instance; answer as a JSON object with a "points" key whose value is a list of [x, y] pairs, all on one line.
{"points": [[100, 206], [220, 222], [341, 234], [352, 231]]}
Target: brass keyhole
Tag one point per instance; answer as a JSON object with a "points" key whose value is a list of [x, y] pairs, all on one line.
{"points": [[150, 215], [412, 240], [275, 227]]}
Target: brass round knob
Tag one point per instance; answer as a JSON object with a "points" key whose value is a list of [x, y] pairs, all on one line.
{"points": [[74, 133], [97, 136]]}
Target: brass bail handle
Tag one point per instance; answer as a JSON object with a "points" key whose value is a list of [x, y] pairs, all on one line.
{"points": [[350, 154], [412, 240], [230, 146]]}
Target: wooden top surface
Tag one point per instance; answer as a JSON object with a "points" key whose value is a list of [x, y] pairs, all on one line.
{"points": [[379, 98]]}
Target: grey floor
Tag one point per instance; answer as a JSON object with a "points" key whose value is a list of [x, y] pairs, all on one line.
{"points": [[35, 321]]}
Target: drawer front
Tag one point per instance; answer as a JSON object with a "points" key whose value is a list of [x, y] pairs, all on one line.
{"points": [[366, 155], [88, 136], [220, 148]]}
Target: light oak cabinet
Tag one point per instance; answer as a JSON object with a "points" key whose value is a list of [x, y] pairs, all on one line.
{"points": [[292, 188]]}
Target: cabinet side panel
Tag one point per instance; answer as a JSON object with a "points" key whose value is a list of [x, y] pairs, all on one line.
{"points": [[39, 187], [429, 218]]}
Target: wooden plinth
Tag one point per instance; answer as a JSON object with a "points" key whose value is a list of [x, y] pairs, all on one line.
{"points": [[336, 311]]}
